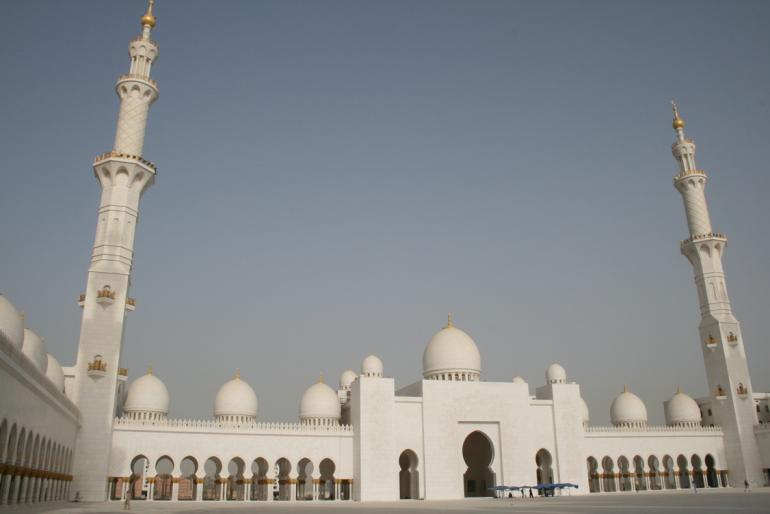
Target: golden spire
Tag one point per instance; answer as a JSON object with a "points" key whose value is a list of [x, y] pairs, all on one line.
{"points": [[678, 390], [625, 388], [449, 321], [678, 121], [320, 378], [148, 18], [149, 370], [237, 373]]}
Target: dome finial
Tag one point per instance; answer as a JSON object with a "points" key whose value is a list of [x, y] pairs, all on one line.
{"points": [[625, 388], [149, 19], [149, 369], [449, 320], [678, 390], [321, 378], [678, 122], [237, 373]]}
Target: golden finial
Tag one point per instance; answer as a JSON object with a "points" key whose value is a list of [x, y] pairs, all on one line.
{"points": [[320, 378], [625, 388], [678, 121], [237, 373], [149, 370], [449, 321], [148, 18], [678, 390]]}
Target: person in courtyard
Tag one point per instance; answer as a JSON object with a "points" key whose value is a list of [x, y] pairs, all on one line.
{"points": [[746, 488]]}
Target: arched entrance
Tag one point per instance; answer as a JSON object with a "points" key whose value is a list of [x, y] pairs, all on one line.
{"points": [[259, 482], [711, 473], [593, 475], [408, 476], [138, 485], [478, 453], [163, 469], [608, 475], [684, 473], [544, 473], [326, 485], [187, 481]]}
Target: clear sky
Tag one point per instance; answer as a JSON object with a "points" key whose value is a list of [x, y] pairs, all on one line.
{"points": [[337, 176]]}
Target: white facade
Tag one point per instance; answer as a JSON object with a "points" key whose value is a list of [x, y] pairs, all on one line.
{"points": [[78, 431]]}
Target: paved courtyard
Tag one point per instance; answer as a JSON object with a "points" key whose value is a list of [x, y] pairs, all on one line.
{"points": [[704, 502]]}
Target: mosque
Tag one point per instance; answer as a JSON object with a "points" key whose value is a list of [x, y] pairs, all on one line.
{"points": [[84, 432]]}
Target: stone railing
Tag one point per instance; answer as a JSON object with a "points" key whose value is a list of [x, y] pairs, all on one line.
{"points": [[136, 76], [148, 40], [656, 429], [687, 173], [210, 425], [699, 237]]}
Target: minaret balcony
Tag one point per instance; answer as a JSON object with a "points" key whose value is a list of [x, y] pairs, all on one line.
{"points": [[700, 237], [711, 343], [742, 392], [130, 304], [720, 394], [112, 154], [136, 76], [82, 300], [97, 368], [732, 339], [105, 297]]}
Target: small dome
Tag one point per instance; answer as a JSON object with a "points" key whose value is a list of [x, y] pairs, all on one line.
{"points": [[627, 409], [682, 410], [519, 380], [34, 349], [11, 323], [237, 399], [347, 378], [371, 367], [54, 373], [555, 374], [147, 394], [586, 415], [319, 402], [450, 355]]}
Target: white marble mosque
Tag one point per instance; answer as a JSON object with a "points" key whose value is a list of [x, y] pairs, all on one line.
{"points": [[83, 431]]}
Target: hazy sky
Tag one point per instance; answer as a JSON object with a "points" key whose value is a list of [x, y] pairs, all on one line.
{"points": [[337, 176]]}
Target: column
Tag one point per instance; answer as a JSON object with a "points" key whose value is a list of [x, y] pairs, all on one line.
{"points": [[151, 489], [292, 489], [222, 489], [337, 489], [247, 488], [617, 482], [198, 489], [5, 487], [23, 491], [174, 489], [316, 487], [270, 482]]}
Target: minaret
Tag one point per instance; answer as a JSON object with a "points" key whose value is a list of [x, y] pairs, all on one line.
{"points": [[720, 333], [123, 176]]}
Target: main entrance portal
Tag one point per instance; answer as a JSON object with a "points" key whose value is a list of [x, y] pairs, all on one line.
{"points": [[478, 452]]}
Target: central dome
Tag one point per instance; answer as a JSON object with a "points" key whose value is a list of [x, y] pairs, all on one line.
{"points": [[451, 355], [682, 410], [628, 410], [236, 401]]}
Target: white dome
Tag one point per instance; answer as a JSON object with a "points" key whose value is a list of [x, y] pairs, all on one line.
{"points": [[682, 410], [319, 402], [347, 378], [519, 380], [54, 373], [586, 415], [555, 374], [371, 367], [627, 409], [11, 323], [236, 398], [449, 353], [147, 394], [34, 349]]}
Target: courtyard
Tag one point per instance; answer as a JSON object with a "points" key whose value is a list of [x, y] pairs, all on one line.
{"points": [[704, 502]]}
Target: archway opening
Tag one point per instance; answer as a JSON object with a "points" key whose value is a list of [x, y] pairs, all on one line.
{"points": [[478, 452], [640, 480], [625, 475], [684, 475], [305, 479], [235, 483], [212, 481], [259, 485], [284, 486], [697, 472], [408, 476], [326, 485], [669, 473], [593, 475], [162, 488], [187, 480], [608, 476], [711, 472], [138, 484], [654, 465]]}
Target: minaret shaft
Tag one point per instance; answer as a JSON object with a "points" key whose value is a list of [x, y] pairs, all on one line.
{"points": [[720, 333], [123, 176]]}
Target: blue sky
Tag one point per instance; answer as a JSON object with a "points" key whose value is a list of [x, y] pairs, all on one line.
{"points": [[337, 176]]}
